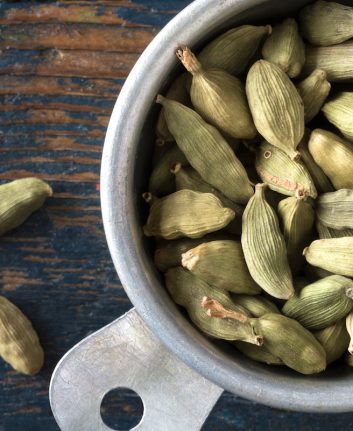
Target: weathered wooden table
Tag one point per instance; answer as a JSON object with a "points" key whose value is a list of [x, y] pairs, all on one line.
{"points": [[62, 65]]}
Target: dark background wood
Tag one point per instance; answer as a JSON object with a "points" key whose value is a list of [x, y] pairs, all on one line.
{"points": [[62, 65]]}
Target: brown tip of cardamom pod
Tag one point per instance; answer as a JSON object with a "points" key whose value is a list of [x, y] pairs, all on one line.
{"points": [[160, 142], [147, 197], [215, 309], [349, 292], [296, 156], [260, 188], [188, 59], [305, 251], [259, 341], [189, 259], [160, 99], [175, 168]]}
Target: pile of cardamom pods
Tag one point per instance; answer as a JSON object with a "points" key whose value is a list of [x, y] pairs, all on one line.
{"points": [[251, 191]]}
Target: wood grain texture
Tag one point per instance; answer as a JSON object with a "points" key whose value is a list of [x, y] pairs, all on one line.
{"points": [[61, 67]]}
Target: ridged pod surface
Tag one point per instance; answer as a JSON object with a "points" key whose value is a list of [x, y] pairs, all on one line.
{"points": [[218, 97], [222, 265], [297, 217], [276, 106], [335, 157], [264, 247], [335, 210], [257, 305], [186, 213], [288, 340], [313, 90], [327, 233], [326, 23], [189, 291], [207, 151], [258, 353], [19, 343], [336, 61], [282, 174], [334, 255], [19, 199], [285, 48], [322, 303], [339, 111], [233, 49], [334, 339]]}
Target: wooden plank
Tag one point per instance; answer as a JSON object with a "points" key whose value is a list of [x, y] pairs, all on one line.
{"points": [[73, 86], [75, 36], [54, 62]]}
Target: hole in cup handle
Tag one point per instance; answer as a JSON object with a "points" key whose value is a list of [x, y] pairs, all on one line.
{"points": [[126, 354]]}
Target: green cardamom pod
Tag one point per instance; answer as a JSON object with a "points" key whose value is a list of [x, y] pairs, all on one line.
{"points": [[314, 273], [339, 111], [313, 90], [334, 339], [349, 328], [297, 217], [177, 91], [272, 95], [335, 210], [257, 353], [322, 303], [282, 174], [19, 199], [335, 157], [189, 292], [257, 305], [321, 181], [232, 50], [326, 23], [285, 48], [188, 178], [168, 253], [264, 247], [286, 339], [162, 181], [334, 255], [207, 151], [186, 213], [327, 233], [222, 265], [218, 97]]}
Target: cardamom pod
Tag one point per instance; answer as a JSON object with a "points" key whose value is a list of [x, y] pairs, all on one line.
{"points": [[335, 210], [19, 199], [349, 328], [271, 94], [335, 157], [286, 339], [326, 23], [232, 50], [218, 97], [162, 181], [188, 178], [321, 181], [19, 343], [327, 233], [168, 253], [297, 219], [189, 291], [257, 353], [322, 303], [336, 61], [285, 48], [264, 247], [222, 265], [207, 151], [339, 111], [186, 213], [348, 359], [314, 273], [257, 305], [282, 174], [334, 339], [313, 90], [177, 91], [334, 255]]}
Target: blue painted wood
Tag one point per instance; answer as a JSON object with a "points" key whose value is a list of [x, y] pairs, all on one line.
{"points": [[56, 267]]}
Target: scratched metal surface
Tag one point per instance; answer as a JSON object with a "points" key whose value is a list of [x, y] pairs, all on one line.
{"points": [[62, 65]]}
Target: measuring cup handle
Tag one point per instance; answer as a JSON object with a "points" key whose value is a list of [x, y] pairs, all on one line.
{"points": [[126, 354]]}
